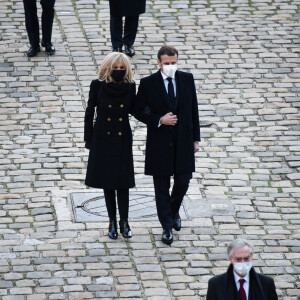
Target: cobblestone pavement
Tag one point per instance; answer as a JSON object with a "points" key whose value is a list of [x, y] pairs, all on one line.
{"points": [[245, 58]]}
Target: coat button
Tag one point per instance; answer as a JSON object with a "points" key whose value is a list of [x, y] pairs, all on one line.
{"points": [[109, 106], [108, 119], [108, 133], [122, 105], [120, 119], [120, 133]]}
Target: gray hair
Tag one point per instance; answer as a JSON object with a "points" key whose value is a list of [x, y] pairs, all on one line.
{"points": [[239, 243]]}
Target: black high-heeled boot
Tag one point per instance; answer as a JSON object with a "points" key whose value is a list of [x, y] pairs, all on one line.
{"points": [[113, 229], [125, 229]]}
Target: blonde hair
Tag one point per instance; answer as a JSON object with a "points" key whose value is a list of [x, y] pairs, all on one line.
{"points": [[108, 64]]}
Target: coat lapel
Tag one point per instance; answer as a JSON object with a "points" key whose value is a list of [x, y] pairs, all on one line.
{"points": [[162, 90], [231, 293], [179, 96], [255, 288]]}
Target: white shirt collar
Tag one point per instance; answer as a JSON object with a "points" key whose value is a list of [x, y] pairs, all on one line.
{"points": [[237, 277], [164, 76]]}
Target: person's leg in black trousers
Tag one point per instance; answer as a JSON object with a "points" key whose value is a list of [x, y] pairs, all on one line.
{"points": [[180, 187], [130, 30], [110, 200], [32, 26], [47, 24], [123, 205], [116, 30], [163, 201], [163, 206], [47, 19]]}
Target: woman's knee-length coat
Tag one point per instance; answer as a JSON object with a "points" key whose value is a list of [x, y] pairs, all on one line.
{"points": [[110, 163], [127, 8]]}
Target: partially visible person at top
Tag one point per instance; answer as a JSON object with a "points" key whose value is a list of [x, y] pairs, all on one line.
{"points": [[130, 9], [32, 26]]}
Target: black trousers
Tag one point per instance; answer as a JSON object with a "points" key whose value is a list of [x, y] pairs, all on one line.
{"points": [[130, 30], [123, 203], [32, 22], [167, 205]]}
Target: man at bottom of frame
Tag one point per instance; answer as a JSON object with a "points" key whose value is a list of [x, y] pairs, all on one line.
{"points": [[241, 282]]}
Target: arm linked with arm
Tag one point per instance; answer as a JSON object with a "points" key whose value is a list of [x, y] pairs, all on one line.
{"points": [[142, 110]]}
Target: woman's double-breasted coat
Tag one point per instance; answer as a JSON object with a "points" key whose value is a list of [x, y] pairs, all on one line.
{"points": [[127, 8], [110, 163]]}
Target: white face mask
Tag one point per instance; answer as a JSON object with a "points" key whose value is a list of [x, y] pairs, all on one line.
{"points": [[169, 70], [242, 268]]}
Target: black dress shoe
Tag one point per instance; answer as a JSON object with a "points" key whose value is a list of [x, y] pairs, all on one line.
{"points": [[167, 236], [117, 50], [125, 229], [129, 51], [113, 229], [33, 51], [49, 48], [177, 222]]}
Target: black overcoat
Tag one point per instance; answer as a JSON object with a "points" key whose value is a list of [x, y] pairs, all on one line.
{"points": [[110, 163], [126, 8], [223, 287], [169, 150]]}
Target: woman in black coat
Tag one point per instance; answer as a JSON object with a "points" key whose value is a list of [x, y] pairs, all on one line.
{"points": [[130, 9], [110, 163]]}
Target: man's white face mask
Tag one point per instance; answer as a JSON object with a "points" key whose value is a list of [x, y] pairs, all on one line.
{"points": [[242, 268], [169, 70]]}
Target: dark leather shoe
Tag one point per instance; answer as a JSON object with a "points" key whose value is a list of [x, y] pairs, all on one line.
{"points": [[167, 236], [117, 50], [49, 48], [125, 229], [33, 51], [176, 222], [113, 229], [129, 51]]}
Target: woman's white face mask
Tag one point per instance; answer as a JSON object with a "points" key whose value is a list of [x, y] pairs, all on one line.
{"points": [[170, 70]]}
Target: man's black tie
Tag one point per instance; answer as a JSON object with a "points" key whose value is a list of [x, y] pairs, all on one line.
{"points": [[171, 93]]}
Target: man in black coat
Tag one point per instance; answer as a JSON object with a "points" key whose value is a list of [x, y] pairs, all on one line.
{"points": [[241, 282], [130, 9], [168, 105], [32, 25]]}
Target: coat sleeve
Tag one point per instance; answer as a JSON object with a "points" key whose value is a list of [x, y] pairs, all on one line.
{"points": [[89, 114], [195, 114], [133, 106], [211, 295], [143, 109]]}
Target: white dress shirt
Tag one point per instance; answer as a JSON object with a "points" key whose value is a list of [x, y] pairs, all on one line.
{"points": [[166, 82], [246, 283]]}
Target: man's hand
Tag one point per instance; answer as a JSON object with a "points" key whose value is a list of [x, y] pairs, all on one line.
{"points": [[168, 119], [196, 147]]}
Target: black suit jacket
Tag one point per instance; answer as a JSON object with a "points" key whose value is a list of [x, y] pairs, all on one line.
{"points": [[126, 8], [169, 149], [223, 287]]}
